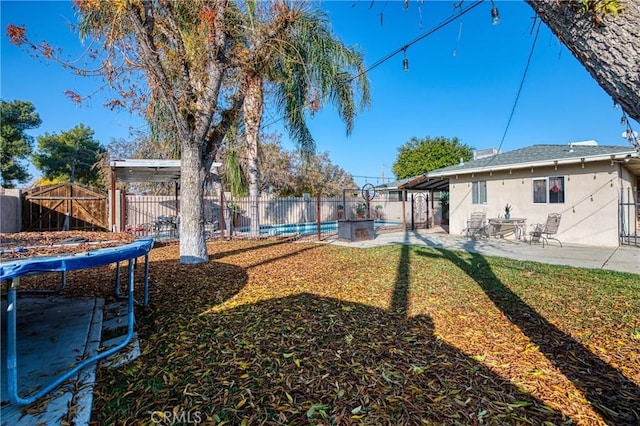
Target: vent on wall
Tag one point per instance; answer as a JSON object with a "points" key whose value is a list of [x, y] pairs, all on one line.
{"points": [[485, 153]]}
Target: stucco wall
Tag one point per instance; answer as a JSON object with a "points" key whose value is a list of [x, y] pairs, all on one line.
{"points": [[10, 210], [589, 213]]}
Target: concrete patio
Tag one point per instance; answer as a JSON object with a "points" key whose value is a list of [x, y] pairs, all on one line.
{"points": [[621, 259]]}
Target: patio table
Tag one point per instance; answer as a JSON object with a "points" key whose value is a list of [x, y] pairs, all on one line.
{"points": [[500, 226]]}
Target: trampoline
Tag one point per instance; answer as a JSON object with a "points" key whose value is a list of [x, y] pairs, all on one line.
{"points": [[12, 270]]}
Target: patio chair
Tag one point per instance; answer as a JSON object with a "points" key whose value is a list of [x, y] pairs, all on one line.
{"points": [[166, 226], [477, 225], [546, 232]]}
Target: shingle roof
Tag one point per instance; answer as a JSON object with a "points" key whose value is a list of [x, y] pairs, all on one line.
{"points": [[395, 184], [536, 154]]}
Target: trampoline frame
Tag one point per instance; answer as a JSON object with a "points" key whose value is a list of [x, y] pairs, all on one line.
{"points": [[12, 271]]}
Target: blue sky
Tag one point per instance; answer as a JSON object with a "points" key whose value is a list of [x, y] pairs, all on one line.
{"points": [[462, 81]]}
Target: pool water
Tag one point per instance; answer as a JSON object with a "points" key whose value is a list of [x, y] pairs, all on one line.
{"points": [[307, 228]]}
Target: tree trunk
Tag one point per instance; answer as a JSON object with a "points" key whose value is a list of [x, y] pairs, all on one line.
{"points": [[193, 245], [252, 109], [607, 45]]}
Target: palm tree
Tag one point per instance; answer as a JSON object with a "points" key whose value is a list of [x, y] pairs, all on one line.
{"points": [[292, 50]]}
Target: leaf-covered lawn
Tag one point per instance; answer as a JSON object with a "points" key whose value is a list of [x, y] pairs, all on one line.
{"points": [[290, 333]]}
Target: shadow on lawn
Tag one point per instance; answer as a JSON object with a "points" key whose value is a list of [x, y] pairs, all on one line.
{"points": [[250, 247], [276, 360], [304, 359], [611, 394]]}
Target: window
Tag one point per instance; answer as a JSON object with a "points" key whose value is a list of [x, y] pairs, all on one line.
{"points": [[548, 190], [479, 192]]}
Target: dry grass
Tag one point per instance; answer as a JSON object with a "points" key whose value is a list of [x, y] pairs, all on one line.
{"points": [[291, 333]]}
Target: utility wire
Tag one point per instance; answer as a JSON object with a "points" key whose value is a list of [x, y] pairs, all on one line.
{"points": [[420, 37], [515, 102], [379, 62]]}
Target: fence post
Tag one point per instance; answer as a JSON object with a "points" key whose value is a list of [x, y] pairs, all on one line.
{"points": [[318, 219], [222, 210], [403, 195]]}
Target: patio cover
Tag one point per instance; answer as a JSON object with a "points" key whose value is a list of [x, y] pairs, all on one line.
{"points": [[144, 170], [424, 183]]}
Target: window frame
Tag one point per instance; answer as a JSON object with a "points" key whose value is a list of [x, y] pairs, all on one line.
{"points": [[477, 192], [547, 191]]}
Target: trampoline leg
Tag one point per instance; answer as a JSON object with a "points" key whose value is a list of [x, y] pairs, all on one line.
{"points": [[63, 284], [131, 301], [118, 280], [134, 264], [12, 364], [146, 279]]}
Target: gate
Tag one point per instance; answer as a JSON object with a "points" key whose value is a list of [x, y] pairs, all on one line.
{"points": [[629, 217], [63, 207], [419, 211]]}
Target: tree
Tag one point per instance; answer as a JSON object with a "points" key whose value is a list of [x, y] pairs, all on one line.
{"points": [[318, 176], [294, 51], [418, 156], [276, 167], [15, 145], [71, 156], [603, 35], [293, 173], [170, 56]]}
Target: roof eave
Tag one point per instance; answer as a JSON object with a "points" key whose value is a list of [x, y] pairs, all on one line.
{"points": [[544, 163]]}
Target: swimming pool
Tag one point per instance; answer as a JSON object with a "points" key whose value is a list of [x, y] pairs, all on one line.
{"points": [[307, 228]]}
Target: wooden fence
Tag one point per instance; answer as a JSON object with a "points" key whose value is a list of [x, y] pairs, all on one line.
{"points": [[64, 206]]}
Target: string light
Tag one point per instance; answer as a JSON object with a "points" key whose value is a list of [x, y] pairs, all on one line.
{"points": [[463, 11], [495, 15], [405, 61], [420, 37]]}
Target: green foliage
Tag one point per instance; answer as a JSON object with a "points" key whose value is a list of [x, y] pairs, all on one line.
{"points": [[418, 156], [235, 169], [507, 209], [311, 67], [15, 144], [72, 155], [234, 174], [601, 7]]}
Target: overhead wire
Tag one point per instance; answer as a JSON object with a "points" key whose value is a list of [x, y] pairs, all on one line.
{"points": [[515, 102], [403, 48], [463, 11]]}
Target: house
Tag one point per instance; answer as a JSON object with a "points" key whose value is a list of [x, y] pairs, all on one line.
{"points": [[594, 187]]}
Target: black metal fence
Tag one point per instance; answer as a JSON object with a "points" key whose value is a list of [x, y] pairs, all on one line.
{"points": [[629, 220], [296, 217]]}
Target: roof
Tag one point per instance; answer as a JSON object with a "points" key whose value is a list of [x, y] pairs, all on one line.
{"points": [[532, 156], [540, 156], [146, 170], [390, 186]]}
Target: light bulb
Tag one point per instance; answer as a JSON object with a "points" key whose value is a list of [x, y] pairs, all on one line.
{"points": [[495, 16]]}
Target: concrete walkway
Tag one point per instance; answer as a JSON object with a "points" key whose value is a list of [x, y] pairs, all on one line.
{"points": [[621, 259]]}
